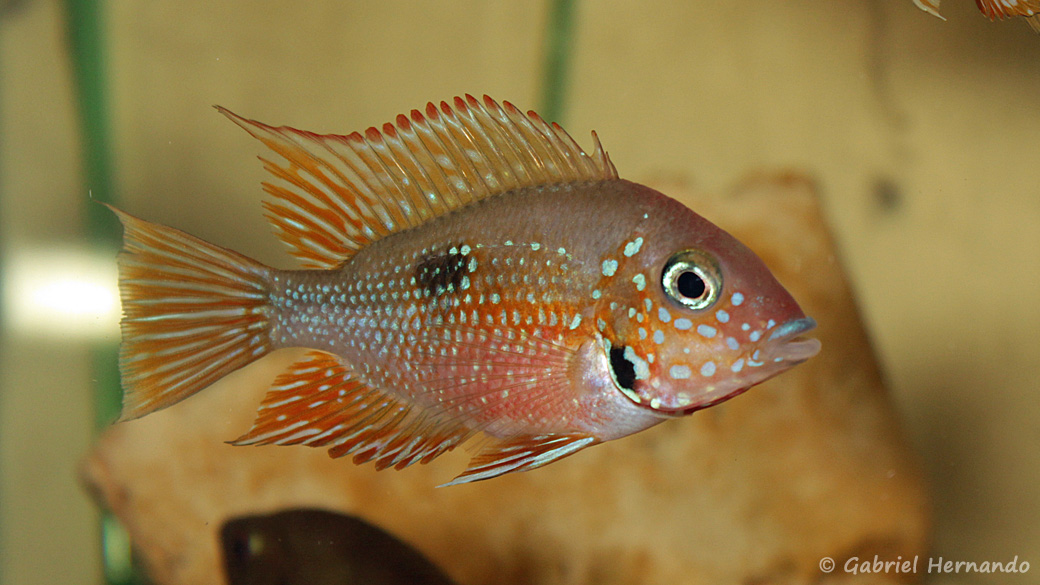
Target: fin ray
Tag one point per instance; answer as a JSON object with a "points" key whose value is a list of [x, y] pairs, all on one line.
{"points": [[525, 369], [318, 402], [997, 10], [335, 194], [522, 453], [192, 313]]}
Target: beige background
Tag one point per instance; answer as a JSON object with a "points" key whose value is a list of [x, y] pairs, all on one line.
{"points": [[877, 100]]}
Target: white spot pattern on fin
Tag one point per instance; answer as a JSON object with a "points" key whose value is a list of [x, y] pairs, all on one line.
{"points": [[337, 194], [319, 403], [522, 454], [192, 312]]}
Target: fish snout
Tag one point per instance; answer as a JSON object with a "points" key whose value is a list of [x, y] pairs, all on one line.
{"points": [[786, 344]]}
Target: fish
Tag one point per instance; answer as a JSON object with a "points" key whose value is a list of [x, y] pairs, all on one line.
{"points": [[995, 10], [309, 546], [466, 270]]}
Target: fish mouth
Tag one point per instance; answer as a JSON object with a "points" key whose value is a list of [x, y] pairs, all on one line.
{"points": [[786, 344]]}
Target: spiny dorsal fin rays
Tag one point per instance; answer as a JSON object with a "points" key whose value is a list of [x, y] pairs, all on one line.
{"points": [[337, 194]]}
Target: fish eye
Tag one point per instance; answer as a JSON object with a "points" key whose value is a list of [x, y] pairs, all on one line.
{"points": [[692, 278]]}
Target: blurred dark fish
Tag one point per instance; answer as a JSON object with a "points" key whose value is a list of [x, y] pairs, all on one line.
{"points": [[315, 547], [996, 10], [474, 271]]}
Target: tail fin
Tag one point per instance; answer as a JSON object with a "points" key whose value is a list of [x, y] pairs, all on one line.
{"points": [[192, 313]]}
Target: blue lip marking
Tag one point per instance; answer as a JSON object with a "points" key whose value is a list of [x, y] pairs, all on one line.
{"points": [[793, 328]]}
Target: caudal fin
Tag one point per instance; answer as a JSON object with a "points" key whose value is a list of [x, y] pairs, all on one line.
{"points": [[192, 313]]}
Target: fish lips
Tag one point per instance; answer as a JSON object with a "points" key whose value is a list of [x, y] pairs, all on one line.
{"points": [[785, 343]]}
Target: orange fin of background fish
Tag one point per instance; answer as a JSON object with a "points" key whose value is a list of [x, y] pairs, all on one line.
{"points": [[1001, 9], [336, 194], [522, 453], [192, 313], [318, 403], [930, 6]]}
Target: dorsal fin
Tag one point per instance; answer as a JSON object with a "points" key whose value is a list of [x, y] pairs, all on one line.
{"points": [[337, 194]]}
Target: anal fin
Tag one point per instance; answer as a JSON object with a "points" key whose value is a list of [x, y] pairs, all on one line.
{"points": [[319, 403], [522, 453]]}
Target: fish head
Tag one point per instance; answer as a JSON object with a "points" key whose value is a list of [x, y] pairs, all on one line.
{"points": [[702, 320]]}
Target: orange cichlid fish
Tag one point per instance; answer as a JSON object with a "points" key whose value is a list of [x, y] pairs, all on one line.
{"points": [[470, 269]]}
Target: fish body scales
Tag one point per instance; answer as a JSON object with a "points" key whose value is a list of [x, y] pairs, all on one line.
{"points": [[471, 313]]}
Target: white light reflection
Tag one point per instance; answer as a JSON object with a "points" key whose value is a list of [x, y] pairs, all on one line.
{"points": [[61, 293]]}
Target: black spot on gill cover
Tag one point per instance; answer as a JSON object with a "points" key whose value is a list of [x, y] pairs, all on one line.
{"points": [[441, 274], [624, 370]]}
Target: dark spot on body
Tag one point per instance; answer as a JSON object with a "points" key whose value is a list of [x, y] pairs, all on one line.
{"points": [[624, 370], [440, 274]]}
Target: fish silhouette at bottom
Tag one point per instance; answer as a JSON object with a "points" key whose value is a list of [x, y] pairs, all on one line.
{"points": [[317, 547]]}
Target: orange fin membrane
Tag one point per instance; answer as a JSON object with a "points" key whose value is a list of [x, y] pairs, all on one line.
{"points": [[527, 380], [999, 10], [192, 313], [1027, 9], [522, 453], [337, 194], [930, 6], [318, 403]]}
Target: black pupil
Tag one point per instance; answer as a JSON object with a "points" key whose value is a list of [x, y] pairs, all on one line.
{"points": [[690, 285]]}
